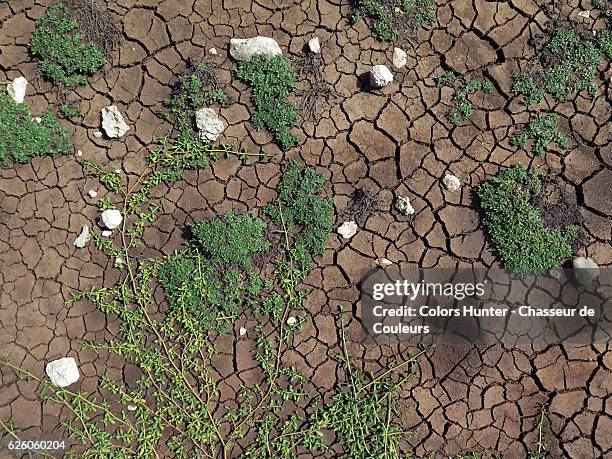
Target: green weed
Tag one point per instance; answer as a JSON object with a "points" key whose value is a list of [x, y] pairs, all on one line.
{"points": [[22, 138], [272, 79], [64, 55], [542, 130], [516, 228], [462, 108], [388, 19]]}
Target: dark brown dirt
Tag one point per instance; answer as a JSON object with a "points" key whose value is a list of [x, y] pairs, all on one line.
{"points": [[393, 142]]}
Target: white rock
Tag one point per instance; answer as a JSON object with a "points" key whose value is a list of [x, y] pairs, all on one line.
{"points": [[132, 407], [585, 270], [111, 219], [403, 206], [117, 171], [585, 14], [92, 193], [62, 372], [113, 123], [555, 274], [400, 58], [348, 229], [97, 134], [17, 89], [210, 125], [242, 49], [118, 261], [37, 119], [291, 320], [451, 182], [83, 238], [314, 45], [79, 153], [242, 331], [384, 262], [213, 51], [107, 233], [380, 76]]}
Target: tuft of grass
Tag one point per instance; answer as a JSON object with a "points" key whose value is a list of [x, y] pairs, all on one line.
{"points": [[272, 79], [516, 228], [542, 130], [64, 55], [388, 19], [22, 138], [462, 108]]}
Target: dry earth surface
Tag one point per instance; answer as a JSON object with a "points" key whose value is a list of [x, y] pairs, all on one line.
{"points": [[395, 141]]}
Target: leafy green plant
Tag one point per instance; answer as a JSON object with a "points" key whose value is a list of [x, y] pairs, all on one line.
{"points": [[525, 85], [303, 208], [64, 55], [22, 137], [543, 130], [516, 228], [569, 65], [272, 79], [388, 19], [463, 89], [69, 110], [195, 88], [214, 275]]}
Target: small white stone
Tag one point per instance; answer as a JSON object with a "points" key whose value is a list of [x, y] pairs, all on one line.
{"points": [[380, 76], [118, 261], [62, 372], [92, 193], [210, 125], [132, 407], [83, 238], [17, 89], [348, 229], [400, 58], [213, 51], [384, 262], [242, 49], [314, 45], [111, 219], [555, 274], [291, 320], [97, 134], [585, 14], [117, 171], [79, 153], [107, 233], [37, 119], [113, 123], [451, 182], [585, 270], [242, 331], [403, 206]]}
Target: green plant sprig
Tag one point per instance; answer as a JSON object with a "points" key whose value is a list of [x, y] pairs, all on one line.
{"points": [[462, 106]]}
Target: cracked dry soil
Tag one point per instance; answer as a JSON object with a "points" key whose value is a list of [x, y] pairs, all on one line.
{"points": [[393, 142]]}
